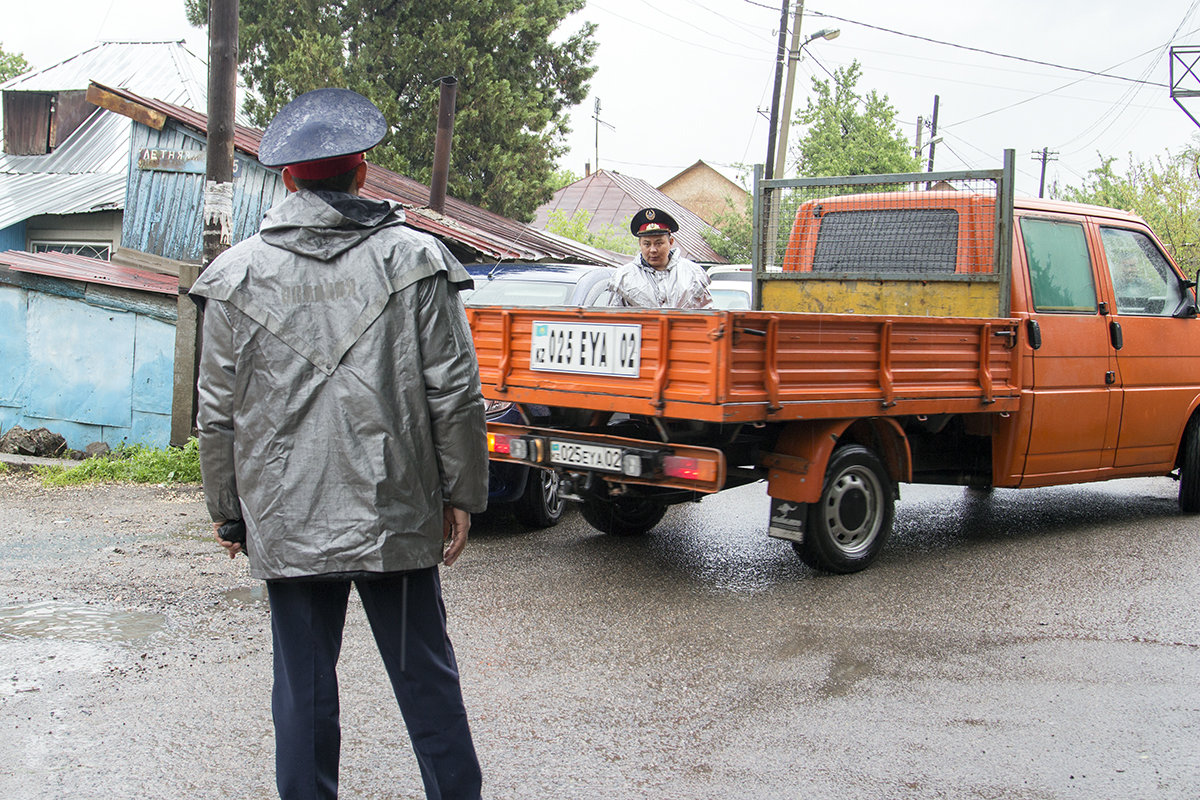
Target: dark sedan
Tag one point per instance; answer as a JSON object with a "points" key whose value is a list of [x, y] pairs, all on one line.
{"points": [[531, 493]]}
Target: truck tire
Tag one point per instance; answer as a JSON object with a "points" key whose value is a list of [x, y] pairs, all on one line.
{"points": [[623, 516], [847, 528], [1189, 478], [539, 506]]}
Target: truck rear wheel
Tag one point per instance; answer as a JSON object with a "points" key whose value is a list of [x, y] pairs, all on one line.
{"points": [[1189, 478], [847, 528], [623, 516]]}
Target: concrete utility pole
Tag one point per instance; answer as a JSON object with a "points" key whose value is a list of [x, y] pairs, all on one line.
{"points": [[1045, 155], [786, 115], [218, 207], [781, 56], [933, 140]]}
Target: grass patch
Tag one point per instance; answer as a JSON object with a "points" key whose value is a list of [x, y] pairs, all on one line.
{"points": [[130, 464]]}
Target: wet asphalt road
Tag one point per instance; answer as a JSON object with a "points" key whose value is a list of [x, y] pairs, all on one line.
{"points": [[1037, 644]]}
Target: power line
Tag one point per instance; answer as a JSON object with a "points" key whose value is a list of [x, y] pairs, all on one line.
{"points": [[660, 32], [1092, 73]]}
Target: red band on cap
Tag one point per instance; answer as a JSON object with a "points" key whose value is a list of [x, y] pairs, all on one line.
{"points": [[653, 227], [325, 167]]}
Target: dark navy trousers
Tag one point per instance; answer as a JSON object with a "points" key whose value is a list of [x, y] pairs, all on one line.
{"points": [[408, 620]]}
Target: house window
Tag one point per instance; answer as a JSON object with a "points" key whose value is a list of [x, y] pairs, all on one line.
{"points": [[100, 250]]}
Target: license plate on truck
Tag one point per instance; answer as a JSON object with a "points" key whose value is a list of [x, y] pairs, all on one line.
{"points": [[591, 456], [591, 348]]}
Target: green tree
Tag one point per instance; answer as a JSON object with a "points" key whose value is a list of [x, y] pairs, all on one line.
{"points": [[733, 237], [1163, 190], [848, 134], [11, 64], [562, 178], [516, 80], [575, 227]]}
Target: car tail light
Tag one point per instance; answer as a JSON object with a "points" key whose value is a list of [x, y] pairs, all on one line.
{"points": [[499, 443]]}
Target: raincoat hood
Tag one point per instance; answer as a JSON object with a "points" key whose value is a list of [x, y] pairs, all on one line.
{"points": [[323, 225]]}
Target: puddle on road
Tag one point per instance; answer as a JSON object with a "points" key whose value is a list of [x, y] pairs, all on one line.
{"points": [[55, 620], [247, 595]]}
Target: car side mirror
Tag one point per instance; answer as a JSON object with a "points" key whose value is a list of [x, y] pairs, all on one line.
{"points": [[1187, 308]]}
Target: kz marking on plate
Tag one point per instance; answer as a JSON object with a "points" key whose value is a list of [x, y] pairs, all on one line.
{"points": [[590, 348]]}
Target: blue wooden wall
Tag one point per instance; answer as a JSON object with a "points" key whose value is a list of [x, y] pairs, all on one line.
{"points": [[164, 211], [88, 372], [13, 237]]}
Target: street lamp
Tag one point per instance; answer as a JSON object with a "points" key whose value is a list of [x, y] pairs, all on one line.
{"points": [[794, 56]]}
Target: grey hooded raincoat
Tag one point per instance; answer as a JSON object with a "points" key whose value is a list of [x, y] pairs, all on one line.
{"points": [[339, 400]]}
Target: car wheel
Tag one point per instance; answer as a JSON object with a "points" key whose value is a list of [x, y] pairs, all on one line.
{"points": [[1189, 478], [539, 506], [623, 516], [847, 528]]}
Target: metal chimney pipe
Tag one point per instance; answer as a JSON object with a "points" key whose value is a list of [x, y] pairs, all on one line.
{"points": [[441, 147]]}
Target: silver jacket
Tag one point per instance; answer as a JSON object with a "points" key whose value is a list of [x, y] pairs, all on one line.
{"points": [[339, 399], [682, 284]]}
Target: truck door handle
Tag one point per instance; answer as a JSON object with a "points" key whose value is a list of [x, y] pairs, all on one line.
{"points": [[1035, 334], [1110, 378], [1114, 333]]}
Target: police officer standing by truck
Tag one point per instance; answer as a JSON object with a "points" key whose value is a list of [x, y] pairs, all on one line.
{"points": [[660, 277], [341, 422]]}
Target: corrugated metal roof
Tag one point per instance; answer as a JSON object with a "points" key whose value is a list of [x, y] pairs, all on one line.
{"points": [[166, 70], [87, 171], [25, 196], [490, 235], [89, 270], [612, 199], [100, 144]]}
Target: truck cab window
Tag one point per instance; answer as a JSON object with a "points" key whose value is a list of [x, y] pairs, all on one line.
{"points": [[888, 240], [1060, 271], [1143, 281]]}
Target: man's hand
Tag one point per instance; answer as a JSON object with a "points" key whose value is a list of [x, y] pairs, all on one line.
{"points": [[454, 533], [232, 547]]}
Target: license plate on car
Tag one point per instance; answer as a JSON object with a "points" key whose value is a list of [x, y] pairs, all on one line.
{"points": [[591, 348], [591, 456]]}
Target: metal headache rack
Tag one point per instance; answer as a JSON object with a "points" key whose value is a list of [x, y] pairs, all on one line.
{"points": [[926, 244]]}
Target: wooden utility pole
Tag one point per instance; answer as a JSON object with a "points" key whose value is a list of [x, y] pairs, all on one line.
{"points": [[1045, 155], [218, 207]]}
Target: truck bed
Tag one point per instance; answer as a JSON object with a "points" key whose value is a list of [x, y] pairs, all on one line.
{"points": [[753, 366]]}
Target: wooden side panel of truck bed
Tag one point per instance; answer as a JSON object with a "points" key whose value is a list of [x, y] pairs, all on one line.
{"points": [[746, 366]]}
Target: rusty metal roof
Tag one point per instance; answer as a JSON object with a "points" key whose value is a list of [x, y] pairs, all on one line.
{"points": [[89, 270], [490, 236], [612, 199]]}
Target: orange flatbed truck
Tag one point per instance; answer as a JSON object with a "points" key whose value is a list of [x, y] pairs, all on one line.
{"points": [[921, 330]]}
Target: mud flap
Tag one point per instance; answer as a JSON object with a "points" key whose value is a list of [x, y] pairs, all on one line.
{"points": [[787, 520]]}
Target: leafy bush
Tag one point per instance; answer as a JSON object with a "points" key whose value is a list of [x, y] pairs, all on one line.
{"points": [[131, 464]]}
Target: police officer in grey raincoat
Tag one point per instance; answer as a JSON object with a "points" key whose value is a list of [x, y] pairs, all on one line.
{"points": [[341, 420], [660, 277]]}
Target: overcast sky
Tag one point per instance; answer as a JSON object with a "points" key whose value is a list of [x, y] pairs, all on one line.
{"points": [[681, 80]]}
